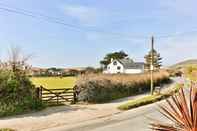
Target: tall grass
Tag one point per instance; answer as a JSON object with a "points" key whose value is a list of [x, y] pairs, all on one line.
{"points": [[98, 88]]}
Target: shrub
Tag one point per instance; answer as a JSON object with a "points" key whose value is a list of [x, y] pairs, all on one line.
{"points": [[17, 94], [103, 88]]}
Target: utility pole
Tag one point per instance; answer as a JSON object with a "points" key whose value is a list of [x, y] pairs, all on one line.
{"points": [[152, 66]]}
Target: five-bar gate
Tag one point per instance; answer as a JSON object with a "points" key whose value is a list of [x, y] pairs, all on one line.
{"points": [[57, 96]]}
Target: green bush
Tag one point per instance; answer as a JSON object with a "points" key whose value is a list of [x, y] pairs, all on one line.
{"points": [[17, 94], [103, 88]]}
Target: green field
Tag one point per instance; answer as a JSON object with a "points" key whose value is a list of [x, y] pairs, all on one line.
{"points": [[54, 82]]}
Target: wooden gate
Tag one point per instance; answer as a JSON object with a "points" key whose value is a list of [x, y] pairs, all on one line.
{"points": [[57, 96]]}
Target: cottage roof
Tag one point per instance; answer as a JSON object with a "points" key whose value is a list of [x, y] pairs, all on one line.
{"points": [[130, 64]]}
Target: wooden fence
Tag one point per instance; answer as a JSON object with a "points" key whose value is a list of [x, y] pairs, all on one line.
{"points": [[57, 96]]}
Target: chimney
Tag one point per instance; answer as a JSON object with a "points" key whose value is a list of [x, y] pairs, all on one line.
{"points": [[112, 59]]}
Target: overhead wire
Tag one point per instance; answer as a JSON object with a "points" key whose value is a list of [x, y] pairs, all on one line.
{"points": [[60, 21]]}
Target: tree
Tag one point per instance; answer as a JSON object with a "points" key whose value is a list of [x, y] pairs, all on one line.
{"points": [[17, 62], [156, 60], [89, 70], [115, 55]]}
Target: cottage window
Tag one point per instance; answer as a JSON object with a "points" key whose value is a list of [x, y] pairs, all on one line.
{"points": [[118, 67], [115, 62]]}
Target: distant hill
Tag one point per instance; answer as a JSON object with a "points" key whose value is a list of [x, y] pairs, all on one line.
{"points": [[185, 63]]}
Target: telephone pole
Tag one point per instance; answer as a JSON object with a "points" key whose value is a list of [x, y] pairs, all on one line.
{"points": [[152, 65]]}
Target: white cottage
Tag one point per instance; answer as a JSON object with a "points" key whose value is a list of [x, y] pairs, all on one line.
{"points": [[124, 66]]}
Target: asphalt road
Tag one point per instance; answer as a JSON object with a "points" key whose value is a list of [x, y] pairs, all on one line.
{"points": [[133, 120]]}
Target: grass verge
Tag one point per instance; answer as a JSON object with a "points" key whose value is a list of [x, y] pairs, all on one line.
{"points": [[6, 129], [149, 99]]}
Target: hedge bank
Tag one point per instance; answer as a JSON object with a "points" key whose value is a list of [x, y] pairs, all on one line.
{"points": [[104, 88]]}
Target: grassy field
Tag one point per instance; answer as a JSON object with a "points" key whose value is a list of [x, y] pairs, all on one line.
{"points": [[54, 82]]}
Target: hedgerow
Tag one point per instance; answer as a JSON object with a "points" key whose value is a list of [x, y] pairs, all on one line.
{"points": [[103, 88]]}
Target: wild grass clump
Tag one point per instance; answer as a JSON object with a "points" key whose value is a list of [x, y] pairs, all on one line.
{"points": [[103, 88]]}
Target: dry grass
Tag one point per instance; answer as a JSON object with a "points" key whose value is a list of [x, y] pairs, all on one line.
{"points": [[123, 78]]}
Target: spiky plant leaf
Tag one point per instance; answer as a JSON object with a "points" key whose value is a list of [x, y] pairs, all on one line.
{"points": [[181, 111]]}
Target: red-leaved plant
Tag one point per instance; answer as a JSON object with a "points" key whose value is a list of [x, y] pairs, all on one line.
{"points": [[181, 110]]}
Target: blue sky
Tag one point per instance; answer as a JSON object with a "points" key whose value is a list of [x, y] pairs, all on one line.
{"points": [[104, 26]]}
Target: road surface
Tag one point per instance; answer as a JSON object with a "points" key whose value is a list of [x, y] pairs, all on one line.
{"points": [[133, 120]]}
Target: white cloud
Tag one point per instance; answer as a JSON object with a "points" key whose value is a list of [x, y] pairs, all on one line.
{"points": [[83, 14]]}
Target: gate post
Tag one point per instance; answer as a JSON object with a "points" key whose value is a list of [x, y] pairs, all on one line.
{"points": [[41, 88], [37, 91], [74, 95], [74, 98]]}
